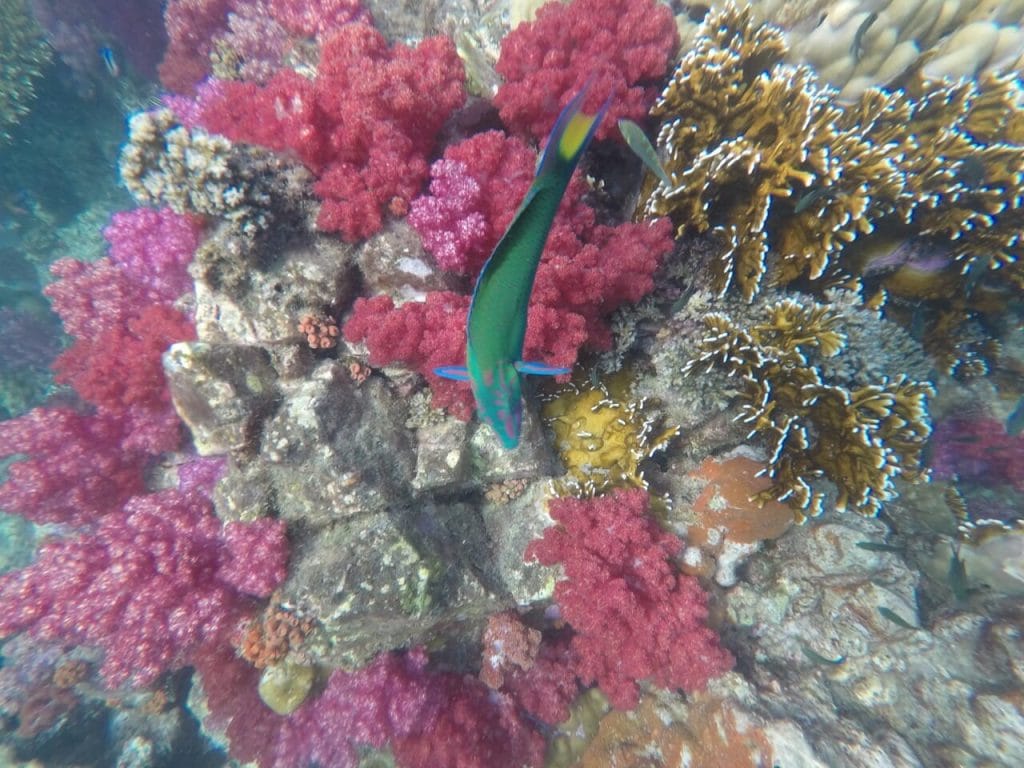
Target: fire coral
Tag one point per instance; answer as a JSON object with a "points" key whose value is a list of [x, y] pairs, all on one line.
{"points": [[635, 617]]}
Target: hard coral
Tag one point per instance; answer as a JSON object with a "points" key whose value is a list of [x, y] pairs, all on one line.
{"points": [[364, 126], [860, 438], [621, 47], [603, 436], [792, 185], [634, 616], [24, 55]]}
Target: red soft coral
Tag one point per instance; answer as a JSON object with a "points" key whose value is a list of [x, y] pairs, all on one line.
{"points": [[621, 47], [364, 126], [420, 334], [634, 615], [121, 366]]}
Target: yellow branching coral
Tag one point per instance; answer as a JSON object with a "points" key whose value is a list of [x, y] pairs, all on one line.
{"points": [[602, 436], [792, 185], [24, 55], [861, 438]]}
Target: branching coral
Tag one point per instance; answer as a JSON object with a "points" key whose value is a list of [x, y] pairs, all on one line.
{"points": [[792, 185], [861, 438], [23, 56]]}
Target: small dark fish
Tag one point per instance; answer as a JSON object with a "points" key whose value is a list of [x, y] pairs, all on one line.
{"points": [[971, 172], [110, 61], [858, 38], [895, 618], [1015, 421], [637, 141], [817, 658], [809, 198], [918, 322], [973, 275], [958, 576], [872, 546]]}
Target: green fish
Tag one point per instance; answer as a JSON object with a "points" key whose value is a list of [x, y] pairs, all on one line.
{"points": [[496, 325], [1015, 421], [895, 618], [872, 546], [637, 141], [958, 577], [817, 658]]}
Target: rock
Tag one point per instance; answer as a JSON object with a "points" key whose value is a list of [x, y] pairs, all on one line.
{"points": [[221, 391], [243, 302]]}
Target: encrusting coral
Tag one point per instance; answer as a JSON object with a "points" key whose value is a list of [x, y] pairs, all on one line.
{"points": [[602, 435], [861, 438]]}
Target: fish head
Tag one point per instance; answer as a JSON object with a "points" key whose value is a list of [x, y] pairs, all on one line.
{"points": [[499, 400]]}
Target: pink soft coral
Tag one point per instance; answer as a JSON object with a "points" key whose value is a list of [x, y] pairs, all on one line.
{"points": [[147, 586], [364, 126], [634, 615], [621, 47]]}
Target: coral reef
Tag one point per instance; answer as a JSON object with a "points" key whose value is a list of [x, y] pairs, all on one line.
{"points": [[860, 438], [399, 96], [835, 644], [429, 718], [649, 622], [795, 198], [621, 47], [147, 586], [24, 56], [602, 435]]}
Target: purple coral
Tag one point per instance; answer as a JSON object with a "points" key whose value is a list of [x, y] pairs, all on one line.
{"points": [[430, 719]]}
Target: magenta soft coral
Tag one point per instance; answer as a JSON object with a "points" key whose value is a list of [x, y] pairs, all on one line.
{"points": [[430, 719], [621, 47], [634, 616], [364, 126], [147, 586]]}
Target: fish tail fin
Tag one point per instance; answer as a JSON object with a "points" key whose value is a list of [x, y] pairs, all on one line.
{"points": [[570, 136]]}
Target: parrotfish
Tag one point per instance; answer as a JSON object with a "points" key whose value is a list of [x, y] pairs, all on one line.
{"points": [[496, 324]]}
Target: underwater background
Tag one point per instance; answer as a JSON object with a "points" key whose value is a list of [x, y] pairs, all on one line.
{"points": [[771, 517]]}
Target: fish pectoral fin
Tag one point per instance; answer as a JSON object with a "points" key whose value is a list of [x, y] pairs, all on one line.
{"points": [[453, 372], [540, 369]]}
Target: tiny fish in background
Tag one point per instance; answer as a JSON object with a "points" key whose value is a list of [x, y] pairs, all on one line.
{"points": [[110, 61], [807, 200], [637, 141], [958, 577], [895, 618], [817, 658], [857, 49], [1015, 421], [872, 546]]}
